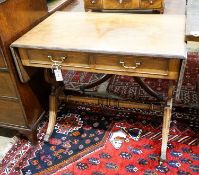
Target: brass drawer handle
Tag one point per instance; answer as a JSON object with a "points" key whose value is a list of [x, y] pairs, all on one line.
{"points": [[151, 2], [56, 64], [137, 64], [93, 1], [57, 61], [120, 1]]}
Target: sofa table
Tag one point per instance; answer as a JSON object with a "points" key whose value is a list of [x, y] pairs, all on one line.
{"points": [[125, 44]]}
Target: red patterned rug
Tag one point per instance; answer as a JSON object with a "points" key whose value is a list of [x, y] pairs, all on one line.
{"points": [[80, 144], [136, 157]]}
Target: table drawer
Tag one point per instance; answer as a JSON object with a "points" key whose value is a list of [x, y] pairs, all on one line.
{"points": [[11, 112], [6, 85], [103, 63], [139, 66], [31, 57], [121, 4], [151, 4], [2, 59]]}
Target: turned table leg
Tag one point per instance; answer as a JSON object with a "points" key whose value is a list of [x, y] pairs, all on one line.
{"points": [[165, 129], [166, 124], [53, 104], [52, 117]]}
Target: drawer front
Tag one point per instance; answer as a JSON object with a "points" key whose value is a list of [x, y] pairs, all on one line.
{"points": [[151, 4], [104, 63], [93, 4], [11, 113], [139, 66], [7, 88], [121, 4], [45, 57], [2, 60]]}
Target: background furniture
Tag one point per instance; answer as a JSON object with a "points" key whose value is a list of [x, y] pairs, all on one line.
{"points": [[20, 107], [20, 104], [98, 5]]}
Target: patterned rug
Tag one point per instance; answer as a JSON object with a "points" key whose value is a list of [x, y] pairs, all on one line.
{"points": [[80, 144], [136, 157], [126, 87], [74, 79], [82, 139]]}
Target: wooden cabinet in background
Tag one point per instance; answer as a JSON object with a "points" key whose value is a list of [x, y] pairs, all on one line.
{"points": [[2, 60], [97, 5], [20, 103]]}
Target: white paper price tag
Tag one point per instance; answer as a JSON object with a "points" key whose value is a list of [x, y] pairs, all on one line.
{"points": [[58, 75]]}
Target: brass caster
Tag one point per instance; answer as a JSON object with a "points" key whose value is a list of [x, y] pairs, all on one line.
{"points": [[162, 161], [46, 138]]}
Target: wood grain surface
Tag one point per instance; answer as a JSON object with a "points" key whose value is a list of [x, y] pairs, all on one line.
{"points": [[127, 34]]}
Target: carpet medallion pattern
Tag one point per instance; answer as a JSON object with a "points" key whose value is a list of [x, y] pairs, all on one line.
{"points": [[80, 145], [134, 157]]}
